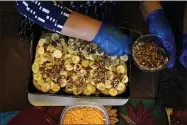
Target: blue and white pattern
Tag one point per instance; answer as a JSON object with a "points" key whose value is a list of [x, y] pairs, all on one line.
{"points": [[46, 14], [100, 10]]}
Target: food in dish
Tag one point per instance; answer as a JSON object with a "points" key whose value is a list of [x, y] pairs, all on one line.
{"points": [[149, 56], [84, 115], [78, 67]]}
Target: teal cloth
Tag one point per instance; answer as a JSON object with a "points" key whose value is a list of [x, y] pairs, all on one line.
{"points": [[6, 116]]}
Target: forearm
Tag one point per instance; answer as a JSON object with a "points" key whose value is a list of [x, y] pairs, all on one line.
{"points": [[81, 26], [148, 7], [60, 19], [158, 25]]}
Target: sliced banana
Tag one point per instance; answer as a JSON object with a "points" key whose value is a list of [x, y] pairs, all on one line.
{"points": [[115, 62], [41, 82], [69, 55], [70, 49], [35, 67], [94, 67], [39, 61], [77, 91], [55, 36], [87, 91], [93, 56], [101, 86], [79, 67], [70, 88], [88, 79], [111, 67], [69, 67], [94, 89], [47, 39], [45, 57], [86, 56], [108, 84], [49, 65], [62, 41], [65, 48], [113, 92], [113, 57], [71, 40], [125, 79], [107, 64], [85, 63], [84, 52], [68, 62], [51, 83], [91, 63], [114, 68], [92, 72], [75, 59], [37, 76], [41, 42], [124, 58], [94, 46], [121, 87], [45, 87], [99, 53], [50, 48], [64, 73], [40, 50], [75, 67], [83, 72], [57, 54], [93, 83], [110, 75], [63, 83], [74, 77], [91, 88], [48, 80], [55, 88], [120, 69]]}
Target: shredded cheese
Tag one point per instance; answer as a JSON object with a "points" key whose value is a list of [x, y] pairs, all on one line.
{"points": [[84, 115]]}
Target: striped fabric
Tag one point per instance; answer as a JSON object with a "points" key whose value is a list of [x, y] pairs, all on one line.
{"points": [[46, 14], [100, 10]]}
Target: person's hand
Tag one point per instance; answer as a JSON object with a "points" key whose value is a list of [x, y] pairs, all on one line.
{"points": [[183, 56], [112, 40], [158, 25]]}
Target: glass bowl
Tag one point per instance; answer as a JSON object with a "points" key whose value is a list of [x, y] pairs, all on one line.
{"points": [[157, 40], [74, 105]]}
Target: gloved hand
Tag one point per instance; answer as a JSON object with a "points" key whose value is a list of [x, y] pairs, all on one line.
{"points": [[158, 25], [183, 56], [112, 40]]}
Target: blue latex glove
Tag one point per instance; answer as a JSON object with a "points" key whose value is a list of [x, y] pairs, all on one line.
{"points": [[183, 56], [112, 40], [158, 25]]}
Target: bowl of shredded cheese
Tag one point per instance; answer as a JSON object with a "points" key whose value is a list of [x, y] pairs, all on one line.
{"points": [[84, 114]]}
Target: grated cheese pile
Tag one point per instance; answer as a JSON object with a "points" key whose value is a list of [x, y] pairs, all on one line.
{"points": [[84, 115]]}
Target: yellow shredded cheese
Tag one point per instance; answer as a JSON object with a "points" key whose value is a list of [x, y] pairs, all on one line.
{"points": [[84, 115]]}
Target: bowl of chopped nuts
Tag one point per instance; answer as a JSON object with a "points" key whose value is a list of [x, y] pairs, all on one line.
{"points": [[149, 54]]}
